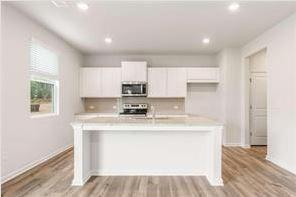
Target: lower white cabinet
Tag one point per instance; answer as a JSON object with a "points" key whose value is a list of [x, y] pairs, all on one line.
{"points": [[167, 82], [203, 75], [100, 82]]}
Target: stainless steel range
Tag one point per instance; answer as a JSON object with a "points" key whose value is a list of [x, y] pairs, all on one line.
{"points": [[134, 109]]}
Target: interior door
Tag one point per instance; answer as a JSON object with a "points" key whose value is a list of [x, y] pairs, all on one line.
{"points": [[258, 109]]}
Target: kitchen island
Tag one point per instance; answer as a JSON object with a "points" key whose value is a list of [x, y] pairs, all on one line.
{"points": [[161, 146]]}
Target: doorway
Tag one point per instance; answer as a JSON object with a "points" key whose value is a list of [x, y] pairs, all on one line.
{"points": [[258, 98]]}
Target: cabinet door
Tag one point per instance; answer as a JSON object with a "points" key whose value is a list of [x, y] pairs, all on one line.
{"points": [[134, 71], [203, 75], [111, 82], [157, 79], [176, 82], [90, 82]]}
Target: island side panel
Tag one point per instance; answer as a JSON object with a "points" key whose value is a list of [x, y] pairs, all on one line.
{"points": [[82, 157], [215, 161]]}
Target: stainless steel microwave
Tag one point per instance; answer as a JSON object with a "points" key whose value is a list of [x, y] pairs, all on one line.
{"points": [[132, 88]]}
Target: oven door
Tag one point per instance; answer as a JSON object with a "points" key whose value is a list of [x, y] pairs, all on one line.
{"points": [[133, 89]]}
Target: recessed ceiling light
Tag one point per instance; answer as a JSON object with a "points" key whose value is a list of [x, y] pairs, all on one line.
{"points": [[82, 6], [108, 40], [233, 6], [59, 3], [206, 40]]}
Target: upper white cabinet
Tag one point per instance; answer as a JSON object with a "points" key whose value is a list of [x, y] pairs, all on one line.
{"points": [[167, 82], [134, 71], [203, 75], [100, 82], [157, 82], [90, 82], [176, 82], [163, 82], [111, 82]]}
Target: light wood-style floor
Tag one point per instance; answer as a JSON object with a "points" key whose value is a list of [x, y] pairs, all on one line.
{"points": [[245, 173]]}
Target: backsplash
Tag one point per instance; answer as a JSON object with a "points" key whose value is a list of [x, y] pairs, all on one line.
{"points": [[111, 105], [101, 105]]}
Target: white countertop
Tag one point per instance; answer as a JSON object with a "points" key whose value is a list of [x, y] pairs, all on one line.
{"points": [[160, 120]]}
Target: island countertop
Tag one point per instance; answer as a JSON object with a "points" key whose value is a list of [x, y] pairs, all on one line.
{"points": [[159, 122]]}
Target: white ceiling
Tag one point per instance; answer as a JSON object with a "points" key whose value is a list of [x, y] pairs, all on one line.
{"points": [[157, 27]]}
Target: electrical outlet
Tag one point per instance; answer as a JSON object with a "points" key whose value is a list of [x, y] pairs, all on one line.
{"points": [[176, 107], [114, 107]]}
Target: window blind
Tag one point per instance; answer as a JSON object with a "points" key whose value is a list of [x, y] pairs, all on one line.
{"points": [[43, 60]]}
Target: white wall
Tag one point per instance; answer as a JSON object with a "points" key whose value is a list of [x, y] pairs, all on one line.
{"points": [[229, 62], [26, 140], [153, 60], [281, 91]]}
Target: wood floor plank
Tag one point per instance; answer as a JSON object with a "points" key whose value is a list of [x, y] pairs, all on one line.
{"points": [[245, 172]]}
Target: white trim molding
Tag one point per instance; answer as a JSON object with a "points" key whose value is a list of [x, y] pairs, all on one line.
{"points": [[246, 146], [232, 145], [237, 145], [33, 164], [280, 164]]}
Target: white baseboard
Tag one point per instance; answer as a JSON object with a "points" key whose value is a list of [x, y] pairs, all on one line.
{"points": [[237, 145], [232, 145], [77, 182], [268, 158], [246, 146], [280, 164], [218, 182], [31, 165]]}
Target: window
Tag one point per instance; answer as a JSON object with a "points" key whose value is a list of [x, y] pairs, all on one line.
{"points": [[43, 80]]}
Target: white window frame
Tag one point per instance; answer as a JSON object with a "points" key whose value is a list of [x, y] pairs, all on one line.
{"points": [[44, 78], [55, 97]]}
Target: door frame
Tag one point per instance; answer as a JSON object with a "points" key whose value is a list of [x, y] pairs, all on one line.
{"points": [[245, 118]]}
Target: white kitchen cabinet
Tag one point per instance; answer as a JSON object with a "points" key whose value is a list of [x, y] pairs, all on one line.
{"points": [[100, 82], [134, 71], [157, 82], [203, 75], [90, 82], [167, 82], [111, 82], [176, 82]]}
